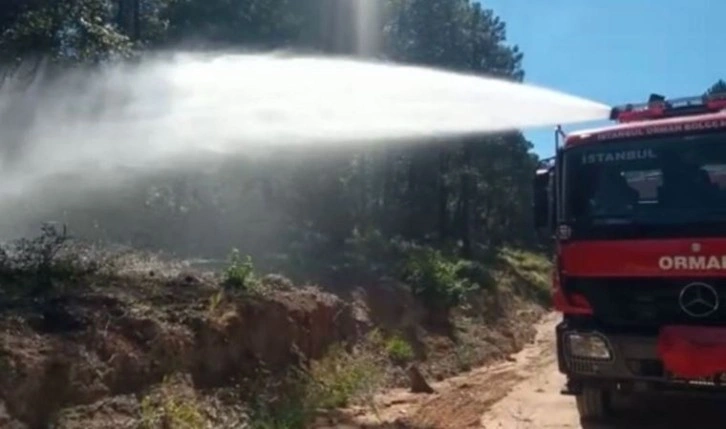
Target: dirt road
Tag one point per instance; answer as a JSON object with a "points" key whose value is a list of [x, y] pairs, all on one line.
{"points": [[522, 393]]}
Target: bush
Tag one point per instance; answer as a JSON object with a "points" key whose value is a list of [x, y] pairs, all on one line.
{"points": [[171, 409], [341, 377], [399, 350], [476, 273], [332, 382], [45, 264], [533, 272], [240, 274], [436, 279], [279, 402]]}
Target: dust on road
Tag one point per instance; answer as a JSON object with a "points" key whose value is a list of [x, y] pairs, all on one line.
{"points": [[522, 394]]}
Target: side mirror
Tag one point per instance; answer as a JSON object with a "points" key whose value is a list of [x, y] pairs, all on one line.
{"points": [[542, 204]]}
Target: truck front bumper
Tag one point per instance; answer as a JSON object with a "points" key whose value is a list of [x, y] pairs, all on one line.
{"points": [[591, 355]]}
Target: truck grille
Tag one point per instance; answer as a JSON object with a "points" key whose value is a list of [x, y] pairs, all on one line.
{"points": [[645, 302]]}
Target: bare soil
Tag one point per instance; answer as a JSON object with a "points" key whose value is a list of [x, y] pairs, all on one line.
{"points": [[522, 393], [87, 359], [109, 353]]}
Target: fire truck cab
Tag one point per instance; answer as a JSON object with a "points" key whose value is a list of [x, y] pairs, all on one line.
{"points": [[637, 212]]}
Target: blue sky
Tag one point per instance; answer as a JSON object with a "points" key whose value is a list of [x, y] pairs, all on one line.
{"points": [[616, 51]]}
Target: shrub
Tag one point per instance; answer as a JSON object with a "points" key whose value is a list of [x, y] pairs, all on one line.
{"points": [[240, 274], [435, 279], [399, 350], [332, 382], [45, 264], [341, 377], [476, 273], [170, 409], [279, 403], [532, 271]]}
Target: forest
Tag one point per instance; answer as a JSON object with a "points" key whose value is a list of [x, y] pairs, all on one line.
{"points": [[448, 219], [301, 211], [444, 218], [306, 213]]}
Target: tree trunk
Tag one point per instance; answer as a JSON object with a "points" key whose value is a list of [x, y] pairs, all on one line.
{"points": [[137, 20], [121, 15], [466, 194], [411, 203], [387, 181], [443, 195]]}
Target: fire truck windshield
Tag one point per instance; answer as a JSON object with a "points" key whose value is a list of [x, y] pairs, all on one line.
{"points": [[665, 184]]}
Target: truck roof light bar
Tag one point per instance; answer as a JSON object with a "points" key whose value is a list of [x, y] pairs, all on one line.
{"points": [[545, 165], [658, 107]]}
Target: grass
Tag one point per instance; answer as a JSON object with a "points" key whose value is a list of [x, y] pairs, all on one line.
{"points": [[215, 301], [171, 410], [531, 271], [337, 380], [341, 378]]}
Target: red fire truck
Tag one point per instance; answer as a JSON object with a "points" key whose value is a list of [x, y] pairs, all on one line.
{"points": [[638, 215]]}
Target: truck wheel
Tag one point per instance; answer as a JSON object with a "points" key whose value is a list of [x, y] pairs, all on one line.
{"points": [[594, 403]]}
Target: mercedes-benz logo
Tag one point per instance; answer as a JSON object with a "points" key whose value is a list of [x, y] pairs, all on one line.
{"points": [[698, 300]]}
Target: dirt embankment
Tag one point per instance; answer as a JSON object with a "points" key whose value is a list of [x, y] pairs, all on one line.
{"points": [[145, 350], [496, 396], [94, 346], [522, 392]]}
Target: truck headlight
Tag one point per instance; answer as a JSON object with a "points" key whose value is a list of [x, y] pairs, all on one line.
{"points": [[588, 346]]}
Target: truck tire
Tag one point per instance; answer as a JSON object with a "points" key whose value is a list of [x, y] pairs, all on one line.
{"points": [[594, 403]]}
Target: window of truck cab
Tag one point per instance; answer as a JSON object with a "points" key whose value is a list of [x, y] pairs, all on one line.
{"points": [[677, 180]]}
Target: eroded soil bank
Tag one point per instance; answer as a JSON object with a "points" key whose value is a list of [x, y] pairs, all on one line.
{"points": [[152, 350]]}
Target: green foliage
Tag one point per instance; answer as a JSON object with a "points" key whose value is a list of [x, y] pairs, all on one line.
{"points": [[215, 301], [284, 405], [435, 278], [66, 31], [323, 218], [173, 413], [453, 34], [240, 274], [717, 88], [531, 271], [248, 22], [336, 380], [476, 273], [290, 415], [399, 350], [171, 410], [341, 377]]}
